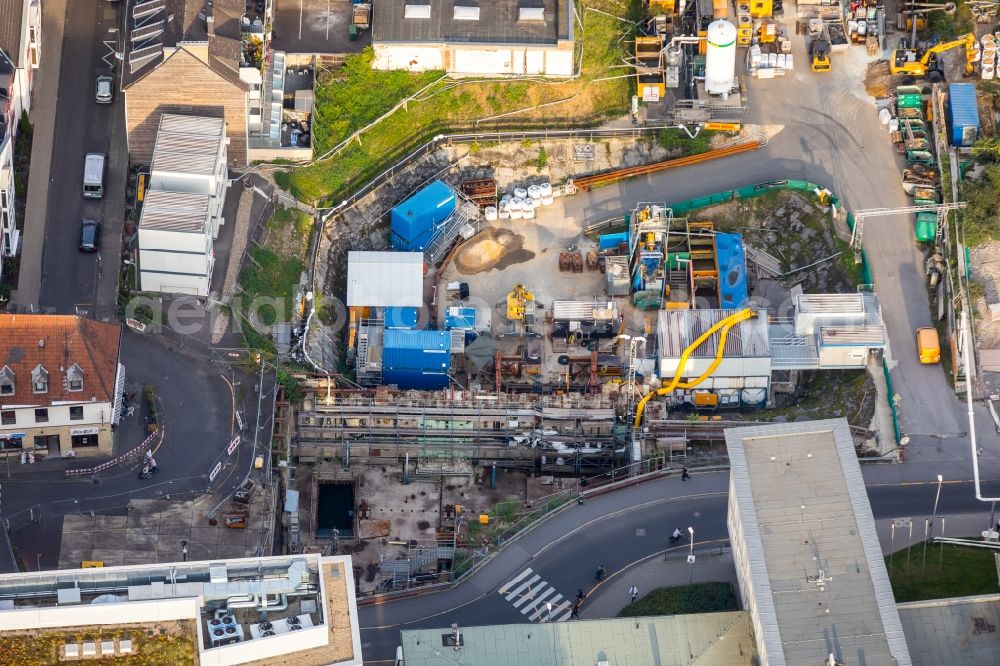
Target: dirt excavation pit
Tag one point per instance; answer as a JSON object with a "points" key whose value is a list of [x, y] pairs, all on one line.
{"points": [[492, 248]]}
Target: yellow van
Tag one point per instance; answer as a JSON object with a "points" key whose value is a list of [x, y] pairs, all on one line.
{"points": [[928, 345]]}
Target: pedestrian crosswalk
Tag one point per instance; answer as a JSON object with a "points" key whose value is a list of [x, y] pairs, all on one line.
{"points": [[536, 599]]}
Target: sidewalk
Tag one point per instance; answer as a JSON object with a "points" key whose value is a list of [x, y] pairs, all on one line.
{"points": [[43, 117], [712, 565]]}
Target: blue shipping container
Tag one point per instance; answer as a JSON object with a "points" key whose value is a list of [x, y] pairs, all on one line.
{"points": [[732, 271], [416, 220], [963, 114], [416, 359], [401, 317]]}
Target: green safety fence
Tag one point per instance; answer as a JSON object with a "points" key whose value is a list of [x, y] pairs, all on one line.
{"points": [[892, 404], [760, 189]]}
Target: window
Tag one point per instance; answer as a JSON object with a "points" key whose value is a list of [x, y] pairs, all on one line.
{"points": [[39, 379], [76, 413], [6, 381], [74, 378], [83, 440], [8, 417], [10, 443], [41, 415]]}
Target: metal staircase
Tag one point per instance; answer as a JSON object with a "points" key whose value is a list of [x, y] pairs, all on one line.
{"points": [[466, 213]]}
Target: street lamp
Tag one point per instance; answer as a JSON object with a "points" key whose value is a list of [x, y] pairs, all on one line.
{"points": [[691, 556], [936, 498]]}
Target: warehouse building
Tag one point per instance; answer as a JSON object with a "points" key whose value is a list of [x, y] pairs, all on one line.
{"points": [[808, 560], [497, 38]]}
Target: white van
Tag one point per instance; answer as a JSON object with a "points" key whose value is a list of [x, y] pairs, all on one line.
{"points": [[93, 176]]}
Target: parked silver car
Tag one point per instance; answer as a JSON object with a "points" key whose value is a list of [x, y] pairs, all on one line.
{"points": [[105, 89]]}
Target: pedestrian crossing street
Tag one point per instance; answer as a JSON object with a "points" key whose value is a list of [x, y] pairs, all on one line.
{"points": [[532, 596]]}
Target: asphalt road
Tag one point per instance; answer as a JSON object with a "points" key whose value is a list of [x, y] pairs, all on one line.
{"points": [[70, 278], [199, 399], [617, 530]]}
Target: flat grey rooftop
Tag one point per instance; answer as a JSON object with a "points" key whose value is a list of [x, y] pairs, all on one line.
{"points": [[953, 632], [498, 22], [819, 581], [706, 639]]}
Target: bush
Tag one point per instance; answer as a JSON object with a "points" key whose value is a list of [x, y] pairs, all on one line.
{"points": [[683, 600], [291, 384], [150, 398]]}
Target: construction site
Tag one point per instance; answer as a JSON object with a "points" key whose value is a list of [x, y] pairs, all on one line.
{"points": [[494, 349]]}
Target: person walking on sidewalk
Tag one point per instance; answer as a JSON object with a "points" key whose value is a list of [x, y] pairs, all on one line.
{"points": [[633, 592], [684, 474], [575, 612]]}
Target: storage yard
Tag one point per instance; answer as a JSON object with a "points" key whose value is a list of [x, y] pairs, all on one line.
{"points": [[494, 346]]}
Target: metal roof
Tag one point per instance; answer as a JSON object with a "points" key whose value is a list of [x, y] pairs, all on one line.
{"points": [[855, 336], [385, 279], [961, 630], [817, 583], [679, 328], [830, 303], [705, 639], [175, 211], [584, 310], [498, 22], [188, 144]]}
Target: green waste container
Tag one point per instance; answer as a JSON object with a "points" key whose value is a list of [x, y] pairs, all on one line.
{"points": [[926, 227], [353, 32]]}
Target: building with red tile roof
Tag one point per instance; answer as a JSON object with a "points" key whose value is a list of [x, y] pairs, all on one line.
{"points": [[60, 384]]}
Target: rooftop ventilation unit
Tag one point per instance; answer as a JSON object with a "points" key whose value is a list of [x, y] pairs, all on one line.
{"points": [[417, 11], [466, 13], [531, 14]]}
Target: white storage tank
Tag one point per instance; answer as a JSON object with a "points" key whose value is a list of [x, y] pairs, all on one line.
{"points": [[720, 58]]}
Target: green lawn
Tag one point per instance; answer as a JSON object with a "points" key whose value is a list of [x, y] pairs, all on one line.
{"points": [[270, 277], [352, 97], [965, 572], [682, 600]]}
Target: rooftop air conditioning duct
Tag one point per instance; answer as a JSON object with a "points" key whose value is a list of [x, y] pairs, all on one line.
{"points": [[417, 11]]}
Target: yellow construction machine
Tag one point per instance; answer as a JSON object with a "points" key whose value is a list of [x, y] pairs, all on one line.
{"points": [[520, 303], [819, 50], [913, 63]]}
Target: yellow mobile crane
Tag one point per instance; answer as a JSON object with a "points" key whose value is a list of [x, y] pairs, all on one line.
{"points": [[906, 61]]}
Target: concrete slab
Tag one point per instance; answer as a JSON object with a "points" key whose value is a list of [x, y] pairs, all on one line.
{"points": [[201, 551], [227, 552], [80, 523], [170, 549], [112, 557], [71, 559], [138, 540]]}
